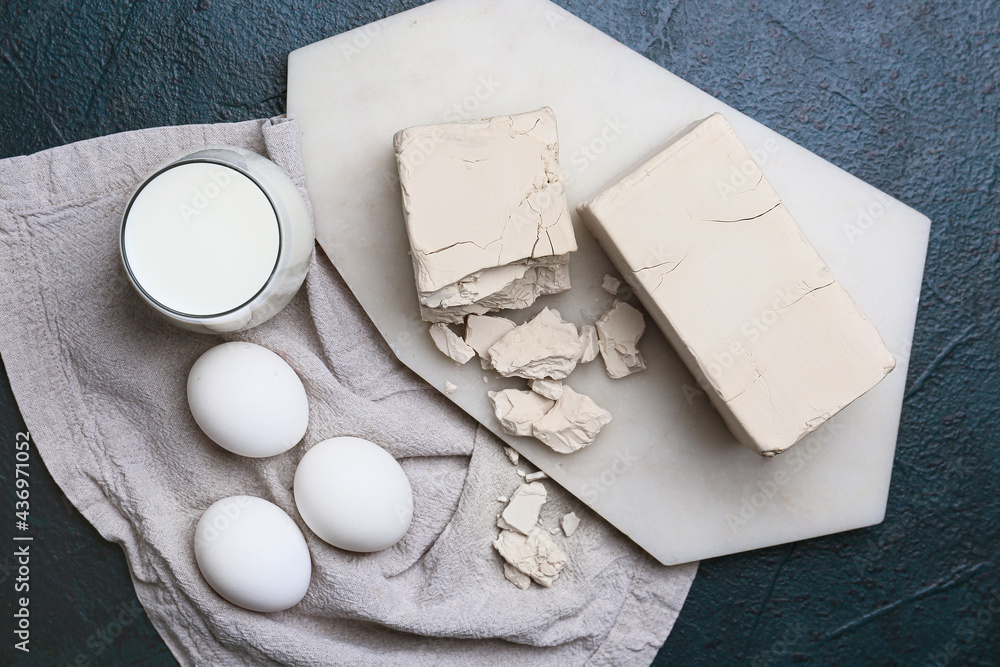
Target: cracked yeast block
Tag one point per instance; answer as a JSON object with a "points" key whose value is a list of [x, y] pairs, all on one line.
{"points": [[485, 213], [745, 299]]}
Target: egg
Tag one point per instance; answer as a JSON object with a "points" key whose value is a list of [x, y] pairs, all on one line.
{"points": [[252, 554], [248, 399], [353, 494]]}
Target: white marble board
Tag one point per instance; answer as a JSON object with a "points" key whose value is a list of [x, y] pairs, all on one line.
{"points": [[666, 471]]}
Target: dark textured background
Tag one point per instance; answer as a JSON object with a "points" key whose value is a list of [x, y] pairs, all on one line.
{"points": [[904, 95]]}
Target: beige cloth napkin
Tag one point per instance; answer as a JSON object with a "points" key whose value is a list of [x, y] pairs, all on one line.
{"points": [[100, 381]]}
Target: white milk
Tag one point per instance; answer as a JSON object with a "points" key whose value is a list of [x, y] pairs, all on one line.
{"points": [[201, 239]]}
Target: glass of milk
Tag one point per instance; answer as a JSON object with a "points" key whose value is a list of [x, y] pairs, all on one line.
{"points": [[218, 240]]}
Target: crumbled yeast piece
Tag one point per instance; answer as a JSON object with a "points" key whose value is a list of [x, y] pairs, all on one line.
{"points": [[485, 213], [589, 342], [521, 513], [611, 284], [535, 476], [517, 409], [619, 331], [529, 553], [450, 344], [566, 425], [482, 331], [545, 347], [512, 454], [502, 499], [450, 387], [570, 522], [534, 554], [551, 389], [572, 423], [516, 577], [522, 284]]}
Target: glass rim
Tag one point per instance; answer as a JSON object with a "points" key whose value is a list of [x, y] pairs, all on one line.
{"points": [[149, 179]]}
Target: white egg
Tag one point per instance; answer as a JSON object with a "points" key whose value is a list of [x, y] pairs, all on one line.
{"points": [[353, 494], [247, 399], [252, 554]]}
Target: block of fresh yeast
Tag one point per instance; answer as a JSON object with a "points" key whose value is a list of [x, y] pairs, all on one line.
{"points": [[485, 212], [738, 290]]}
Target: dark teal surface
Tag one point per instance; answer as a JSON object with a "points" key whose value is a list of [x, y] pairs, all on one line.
{"points": [[903, 95]]}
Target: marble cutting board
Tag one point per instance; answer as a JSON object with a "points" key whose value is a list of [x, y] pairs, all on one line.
{"points": [[666, 471]]}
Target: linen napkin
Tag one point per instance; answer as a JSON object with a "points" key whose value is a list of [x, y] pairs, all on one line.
{"points": [[100, 381]]}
